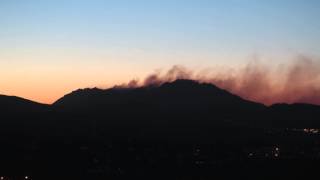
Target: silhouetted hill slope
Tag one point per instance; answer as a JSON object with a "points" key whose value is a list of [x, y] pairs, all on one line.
{"points": [[17, 104], [188, 100], [195, 128], [178, 103], [183, 109], [174, 104], [18, 116], [294, 115], [180, 94]]}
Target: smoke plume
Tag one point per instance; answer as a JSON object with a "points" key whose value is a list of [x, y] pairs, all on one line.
{"points": [[296, 82]]}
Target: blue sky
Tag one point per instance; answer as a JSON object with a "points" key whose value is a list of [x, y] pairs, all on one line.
{"points": [[242, 24], [129, 38]]}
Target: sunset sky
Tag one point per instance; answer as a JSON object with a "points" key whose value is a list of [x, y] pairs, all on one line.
{"points": [[51, 47]]}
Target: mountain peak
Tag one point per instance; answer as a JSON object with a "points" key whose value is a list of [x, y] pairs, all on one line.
{"points": [[181, 91], [183, 83]]}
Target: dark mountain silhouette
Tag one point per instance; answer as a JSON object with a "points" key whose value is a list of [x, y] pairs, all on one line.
{"points": [[19, 115], [179, 92], [176, 130], [180, 96], [183, 108], [17, 104], [294, 115], [178, 103], [187, 99]]}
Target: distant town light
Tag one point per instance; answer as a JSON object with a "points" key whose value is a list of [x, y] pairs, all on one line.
{"points": [[26, 177], [1, 177]]}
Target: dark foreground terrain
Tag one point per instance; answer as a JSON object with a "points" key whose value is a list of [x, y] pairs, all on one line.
{"points": [[180, 130]]}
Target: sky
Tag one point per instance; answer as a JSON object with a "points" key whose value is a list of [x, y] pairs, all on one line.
{"points": [[52, 47]]}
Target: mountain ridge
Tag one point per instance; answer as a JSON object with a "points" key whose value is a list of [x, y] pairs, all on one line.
{"points": [[177, 84], [19, 104], [176, 100]]}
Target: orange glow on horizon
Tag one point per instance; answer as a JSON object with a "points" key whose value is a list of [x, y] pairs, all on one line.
{"points": [[295, 82]]}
